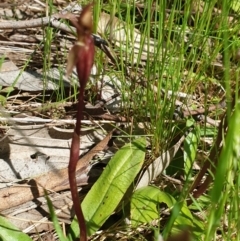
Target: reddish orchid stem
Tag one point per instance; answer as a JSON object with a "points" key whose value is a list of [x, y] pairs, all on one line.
{"points": [[74, 157], [81, 55]]}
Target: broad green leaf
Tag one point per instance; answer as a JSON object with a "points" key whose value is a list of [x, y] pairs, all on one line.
{"points": [[144, 207], [190, 122], [8, 232], [180, 218], [208, 131], [107, 192], [54, 219], [145, 202], [197, 228], [184, 218]]}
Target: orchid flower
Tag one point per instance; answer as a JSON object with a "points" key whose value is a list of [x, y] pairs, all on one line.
{"points": [[82, 53]]}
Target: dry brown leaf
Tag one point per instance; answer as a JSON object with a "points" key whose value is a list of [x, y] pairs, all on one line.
{"points": [[159, 165], [52, 181]]}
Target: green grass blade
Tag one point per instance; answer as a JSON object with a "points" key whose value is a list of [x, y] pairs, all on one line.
{"points": [[224, 178], [54, 218]]}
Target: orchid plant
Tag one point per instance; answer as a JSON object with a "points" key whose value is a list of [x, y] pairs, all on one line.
{"points": [[80, 56]]}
